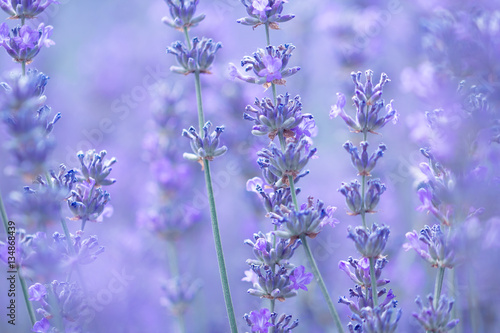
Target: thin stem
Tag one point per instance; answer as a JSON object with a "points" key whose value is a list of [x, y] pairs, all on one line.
{"points": [[273, 87], [363, 211], [321, 283], [24, 287], [438, 286], [188, 40], [373, 282], [173, 261], [268, 38], [218, 248], [5, 220], [181, 323], [23, 66], [199, 101]]}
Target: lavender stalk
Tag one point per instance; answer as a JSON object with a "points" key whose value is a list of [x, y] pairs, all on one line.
{"points": [[197, 59]]}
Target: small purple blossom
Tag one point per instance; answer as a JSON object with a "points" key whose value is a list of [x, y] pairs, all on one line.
{"points": [[300, 279], [21, 9], [352, 194], [24, 43], [271, 251], [37, 292], [182, 14], [433, 246], [264, 12], [269, 66], [436, 319], [259, 320], [272, 285], [41, 326], [370, 243], [179, 293], [198, 59], [206, 147], [95, 166], [363, 163]]}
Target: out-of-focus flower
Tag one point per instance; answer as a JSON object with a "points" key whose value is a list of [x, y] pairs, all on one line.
{"points": [[24, 43], [198, 59], [368, 103], [23, 91], [370, 243], [300, 279], [269, 66], [182, 14], [264, 12], [206, 147], [63, 307], [433, 246], [94, 166], [179, 293], [436, 319], [22, 9], [85, 250]]}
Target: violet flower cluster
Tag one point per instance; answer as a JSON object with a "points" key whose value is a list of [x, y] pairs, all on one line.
{"points": [[373, 306], [272, 272], [62, 306]]}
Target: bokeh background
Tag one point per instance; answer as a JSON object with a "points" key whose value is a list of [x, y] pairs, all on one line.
{"points": [[109, 57]]}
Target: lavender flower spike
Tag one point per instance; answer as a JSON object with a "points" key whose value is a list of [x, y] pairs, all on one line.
{"points": [[206, 147], [433, 246], [94, 166], [364, 164], [21, 9], [272, 285], [89, 203], [198, 59], [436, 319], [370, 243], [269, 66], [264, 12], [270, 119], [24, 43], [368, 103], [23, 91], [261, 321], [182, 12]]}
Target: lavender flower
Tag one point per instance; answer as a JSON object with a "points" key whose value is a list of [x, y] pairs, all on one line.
{"points": [[361, 274], [368, 103], [261, 321], [198, 59], [364, 164], [436, 319], [24, 43], [94, 166], [352, 196], [272, 285], [363, 306], [270, 119], [182, 12], [23, 92], [264, 12], [300, 279], [381, 319], [370, 243], [272, 198], [433, 246], [206, 147], [179, 293], [308, 221], [89, 203], [62, 306], [85, 250], [269, 66], [21, 9], [268, 254], [288, 163]]}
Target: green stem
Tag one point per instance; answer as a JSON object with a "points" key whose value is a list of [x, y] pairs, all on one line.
{"points": [[218, 248], [199, 102], [24, 287], [173, 261], [321, 284], [373, 282], [23, 66], [181, 323], [268, 38], [5, 220], [188, 40], [438, 286]]}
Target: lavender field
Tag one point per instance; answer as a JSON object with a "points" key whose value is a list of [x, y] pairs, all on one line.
{"points": [[249, 166]]}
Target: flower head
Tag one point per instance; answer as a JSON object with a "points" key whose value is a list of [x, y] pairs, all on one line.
{"points": [[361, 273], [94, 166], [24, 43], [352, 196], [272, 285], [182, 14], [370, 243], [198, 59], [436, 319], [20, 9], [363, 163], [281, 164], [269, 66], [264, 12], [270, 119], [206, 147], [89, 203], [260, 321], [300, 279], [268, 254], [179, 293], [368, 103], [433, 246]]}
